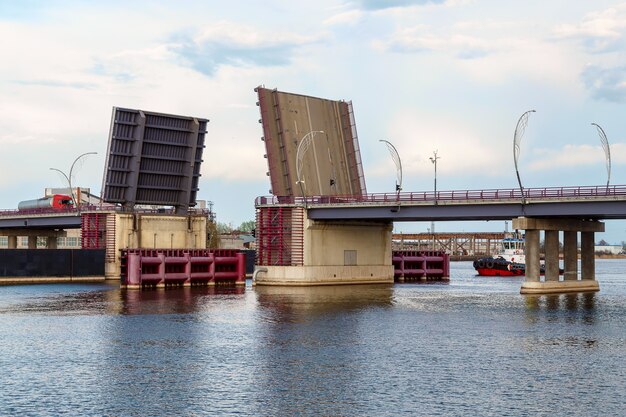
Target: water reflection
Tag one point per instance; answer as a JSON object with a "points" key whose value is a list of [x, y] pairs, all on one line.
{"points": [[177, 351], [169, 301], [571, 301], [318, 335], [292, 303], [110, 299]]}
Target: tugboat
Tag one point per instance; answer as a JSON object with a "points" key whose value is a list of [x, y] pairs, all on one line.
{"points": [[509, 261]]}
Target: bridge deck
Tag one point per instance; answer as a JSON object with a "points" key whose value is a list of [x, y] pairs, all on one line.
{"points": [[588, 202]]}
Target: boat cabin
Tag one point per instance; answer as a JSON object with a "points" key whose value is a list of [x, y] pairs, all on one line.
{"points": [[513, 244]]}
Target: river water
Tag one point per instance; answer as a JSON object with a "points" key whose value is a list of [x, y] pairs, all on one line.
{"points": [[472, 347]]}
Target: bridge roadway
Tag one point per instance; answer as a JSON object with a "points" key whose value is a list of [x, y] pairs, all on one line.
{"points": [[582, 202], [40, 219], [68, 218]]}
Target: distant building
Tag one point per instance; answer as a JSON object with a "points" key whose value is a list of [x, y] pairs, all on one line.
{"points": [[235, 241], [612, 249]]}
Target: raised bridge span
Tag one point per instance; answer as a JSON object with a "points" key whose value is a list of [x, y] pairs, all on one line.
{"points": [[346, 239]]}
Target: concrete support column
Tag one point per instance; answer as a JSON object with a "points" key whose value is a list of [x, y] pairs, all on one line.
{"points": [[12, 242], [570, 255], [532, 255], [51, 242], [570, 227], [32, 242], [552, 255], [587, 256]]}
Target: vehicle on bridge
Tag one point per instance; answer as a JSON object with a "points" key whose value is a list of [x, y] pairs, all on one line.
{"points": [[55, 201], [509, 261]]}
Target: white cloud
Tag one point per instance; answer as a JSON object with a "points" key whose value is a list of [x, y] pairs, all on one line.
{"points": [[227, 43], [351, 17], [459, 146], [232, 33], [601, 31], [422, 39], [605, 83], [572, 156]]}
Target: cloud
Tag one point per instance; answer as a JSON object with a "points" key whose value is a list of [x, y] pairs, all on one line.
{"points": [[605, 83], [351, 17], [575, 156], [460, 146], [388, 4], [599, 32], [420, 39], [226, 43], [56, 83]]}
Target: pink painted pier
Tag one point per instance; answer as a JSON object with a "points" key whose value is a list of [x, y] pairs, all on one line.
{"points": [[411, 265], [181, 267]]}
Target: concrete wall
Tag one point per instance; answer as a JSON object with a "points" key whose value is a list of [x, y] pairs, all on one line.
{"points": [[152, 231], [325, 275], [346, 252], [155, 231], [325, 243]]}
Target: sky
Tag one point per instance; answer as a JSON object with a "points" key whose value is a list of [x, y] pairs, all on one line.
{"points": [[451, 76]]}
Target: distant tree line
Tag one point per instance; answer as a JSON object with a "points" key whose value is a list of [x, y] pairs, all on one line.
{"points": [[228, 228]]}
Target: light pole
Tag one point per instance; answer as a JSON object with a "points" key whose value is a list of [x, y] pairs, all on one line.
{"points": [[433, 159], [517, 139], [396, 159], [607, 152], [304, 144], [68, 178]]}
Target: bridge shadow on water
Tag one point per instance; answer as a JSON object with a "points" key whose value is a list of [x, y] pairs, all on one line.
{"points": [[573, 302], [182, 300], [294, 303], [111, 300]]}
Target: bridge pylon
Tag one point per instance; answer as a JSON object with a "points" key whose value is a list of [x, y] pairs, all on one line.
{"points": [[552, 283]]}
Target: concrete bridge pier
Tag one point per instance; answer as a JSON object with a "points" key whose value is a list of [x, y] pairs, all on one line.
{"points": [[570, 256], [552, 283], [296, 251]]}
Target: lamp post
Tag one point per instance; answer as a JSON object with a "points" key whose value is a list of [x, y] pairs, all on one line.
{"points": [[433, 159], [396, 159], [607, 152], [517, 139], [303, 146], [68, 178]]}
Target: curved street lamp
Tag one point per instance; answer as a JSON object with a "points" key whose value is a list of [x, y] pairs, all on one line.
{"points": [[303, 146], [517, 139], [396, 159], [68, 178], [607, 152]]}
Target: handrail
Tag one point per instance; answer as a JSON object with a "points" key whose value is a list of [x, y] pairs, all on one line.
{"points": [[108, 207], [492, 195]]}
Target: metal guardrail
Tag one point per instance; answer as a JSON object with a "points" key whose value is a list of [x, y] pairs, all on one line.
{"points": [[78, 210], [489, 195]]}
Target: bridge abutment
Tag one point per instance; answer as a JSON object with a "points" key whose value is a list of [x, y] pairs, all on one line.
{"points": [[552, 282], [309, 252]]}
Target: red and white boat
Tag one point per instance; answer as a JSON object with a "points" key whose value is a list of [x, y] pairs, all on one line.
{"points": [[509, 261]]}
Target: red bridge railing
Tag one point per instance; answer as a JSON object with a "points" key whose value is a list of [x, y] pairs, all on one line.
{"points": [[104, 207], [492, 195]]}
